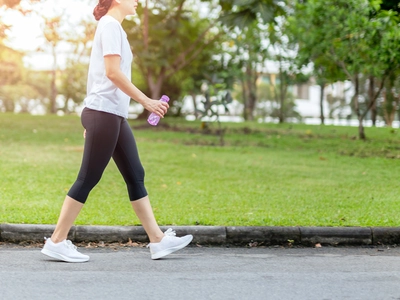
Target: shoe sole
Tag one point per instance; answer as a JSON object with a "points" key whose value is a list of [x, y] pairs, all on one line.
{"points": [[170, 250], [62, 257]]}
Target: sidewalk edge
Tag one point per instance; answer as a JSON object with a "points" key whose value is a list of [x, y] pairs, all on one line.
{"points": [[213, 235]]}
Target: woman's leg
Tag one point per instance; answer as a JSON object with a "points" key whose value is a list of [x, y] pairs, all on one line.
{"points": [[69, 212], [126, 157], [102, 130], [144, 211]]}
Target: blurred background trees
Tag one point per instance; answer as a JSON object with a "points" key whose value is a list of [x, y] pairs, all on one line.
{"points": [[257, 50]]}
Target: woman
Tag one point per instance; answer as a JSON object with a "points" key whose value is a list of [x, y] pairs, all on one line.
{"points": [[107, 134]]}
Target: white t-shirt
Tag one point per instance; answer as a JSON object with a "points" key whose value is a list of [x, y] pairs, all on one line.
{"points": [[102, 94]]}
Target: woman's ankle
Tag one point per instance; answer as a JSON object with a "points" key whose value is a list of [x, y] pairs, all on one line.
{"points": [[56, 239], [156, 238]]}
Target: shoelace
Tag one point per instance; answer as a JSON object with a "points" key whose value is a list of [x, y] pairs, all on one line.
{"points": [[170, 232], [70, 245]]}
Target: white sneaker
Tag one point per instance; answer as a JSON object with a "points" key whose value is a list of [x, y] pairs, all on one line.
{"points": [[64, 251], [169, 243]]}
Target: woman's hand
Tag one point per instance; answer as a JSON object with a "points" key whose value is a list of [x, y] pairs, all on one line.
{"points": [[84, 134], [158, 107]]}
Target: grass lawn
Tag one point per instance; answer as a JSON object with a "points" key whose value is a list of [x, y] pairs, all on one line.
{"points": [[266, 174]]}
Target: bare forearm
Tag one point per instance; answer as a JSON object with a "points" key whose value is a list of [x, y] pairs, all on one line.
{"points": [[124, 84]]}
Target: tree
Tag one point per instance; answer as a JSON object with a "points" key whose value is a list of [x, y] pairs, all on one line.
{"points": [[288, 73], [11, 72], [168, 39], [53, 36], [73, 80], [309, 51], [215, 96], [210, 67], [243, 13], [11, 65], [74, 77], [381, 59], [391, 98], [391, 93], [253, 23], [356, 41], [40, 81], [249, 55]]}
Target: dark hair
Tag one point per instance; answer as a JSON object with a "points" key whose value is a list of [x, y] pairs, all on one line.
{"points": [[101, 8]]}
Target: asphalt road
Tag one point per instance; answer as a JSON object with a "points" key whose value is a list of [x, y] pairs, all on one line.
{"points": [[204, 273]]}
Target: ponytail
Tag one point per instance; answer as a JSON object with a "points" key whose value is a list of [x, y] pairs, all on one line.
{"points": [[101, 8]]}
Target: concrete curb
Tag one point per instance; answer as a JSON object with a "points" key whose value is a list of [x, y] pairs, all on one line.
{"points": [[213, 235]]}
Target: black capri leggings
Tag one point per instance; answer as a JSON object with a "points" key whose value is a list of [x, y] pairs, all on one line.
{"points": [[108, 135]]}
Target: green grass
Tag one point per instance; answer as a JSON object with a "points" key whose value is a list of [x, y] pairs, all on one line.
{"points": [[266, 174]]}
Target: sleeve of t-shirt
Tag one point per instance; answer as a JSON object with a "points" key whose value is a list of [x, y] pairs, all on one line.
{"points": [[111, 39]]}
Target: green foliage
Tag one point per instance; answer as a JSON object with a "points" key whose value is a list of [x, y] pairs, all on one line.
{"points": [[17, 93], [246, 50], [252, 27], [391, 5], [355, 36], [73, 78], [73, 82], [269, 97], [9, 94], [17, 84], [172, 45], [40, 81], [243, 13], [11, 65], [344, 32], [215, 96], [308, 49]]}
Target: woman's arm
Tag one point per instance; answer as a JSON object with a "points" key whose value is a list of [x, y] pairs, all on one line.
{"points": [[114, 73]]}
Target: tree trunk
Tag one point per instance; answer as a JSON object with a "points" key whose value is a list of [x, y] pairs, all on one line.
{"points": [[155, 90], [398, 111], [390, 104], [355, 96], [281, 97], [361, 132], [193, 94], [251, 79], [146, 25], [321, 103], [371, 103], [145, 31], [65, 108], [244, 93], [53, 93], [9, 105], [251, 105], [155, 84], [371, 94], [24, 106], [53, 90]]}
